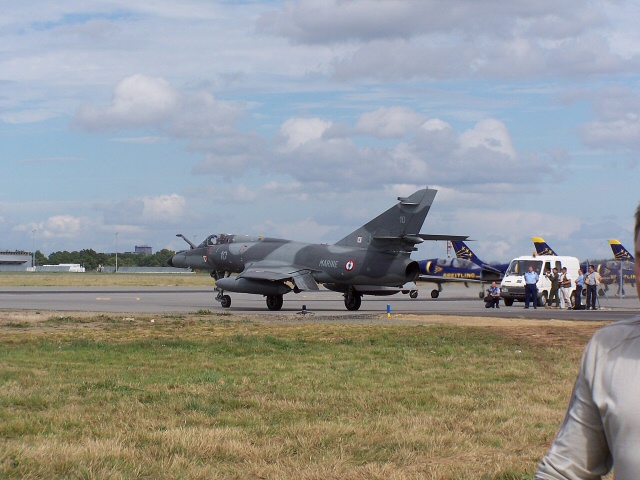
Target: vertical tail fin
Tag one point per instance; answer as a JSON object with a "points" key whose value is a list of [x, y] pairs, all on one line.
{"points": [[541, 247], [619, 252], [463, 251], [397, 226]]}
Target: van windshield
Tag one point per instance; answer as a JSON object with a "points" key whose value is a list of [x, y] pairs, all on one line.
{"points": [[520, 267]]}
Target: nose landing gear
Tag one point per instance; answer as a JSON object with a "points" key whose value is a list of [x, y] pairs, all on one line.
{"points": [[225, 300]]}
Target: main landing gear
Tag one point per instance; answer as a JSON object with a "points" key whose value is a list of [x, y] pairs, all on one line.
{"points": [[352, 300], [274, 302]]}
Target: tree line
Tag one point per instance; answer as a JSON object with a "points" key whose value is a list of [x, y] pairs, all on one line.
{"points": [[91, 260]]}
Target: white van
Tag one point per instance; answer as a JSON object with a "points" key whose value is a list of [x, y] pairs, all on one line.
{"points": [[512, 286]]}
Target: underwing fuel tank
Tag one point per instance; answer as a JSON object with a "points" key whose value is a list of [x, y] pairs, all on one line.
{"points": [[246, 285]]}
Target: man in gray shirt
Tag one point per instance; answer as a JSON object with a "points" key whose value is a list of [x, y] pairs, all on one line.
{"points": [[602, 427]]}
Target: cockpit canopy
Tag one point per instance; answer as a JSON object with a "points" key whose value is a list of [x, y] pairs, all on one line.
{"points": [[222, 238], [216, 239]]}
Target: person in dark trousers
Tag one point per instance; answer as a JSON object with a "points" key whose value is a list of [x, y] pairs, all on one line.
{"points": [[592, 280], [554, 278], [493, 296], [531, 287]]}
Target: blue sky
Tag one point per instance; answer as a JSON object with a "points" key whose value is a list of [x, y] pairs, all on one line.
{"points": [[304, 119]]}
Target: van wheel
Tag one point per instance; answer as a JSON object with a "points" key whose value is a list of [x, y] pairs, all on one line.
{"points": [[542, 301], [508, 302]]}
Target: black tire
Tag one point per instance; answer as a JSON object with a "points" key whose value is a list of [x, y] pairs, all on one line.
{"points": [[435, 293], [508, 302], [274, 302], [413, 294], [352, 302], [225, 301], [542, 301]]}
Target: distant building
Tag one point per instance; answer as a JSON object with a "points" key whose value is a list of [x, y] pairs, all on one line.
{"points": [[147, 250], [18, 260]]}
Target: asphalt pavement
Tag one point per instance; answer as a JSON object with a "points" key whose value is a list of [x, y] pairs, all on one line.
{"points": [[453, 300]]}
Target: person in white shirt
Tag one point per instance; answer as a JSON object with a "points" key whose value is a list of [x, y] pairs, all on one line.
{"points": [[566, 287], [601, 429], [592, 280]]}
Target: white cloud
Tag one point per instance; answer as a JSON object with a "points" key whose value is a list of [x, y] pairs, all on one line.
{"points": [[207, 124], [146, 210], [298, 131], [392, 122], [407, 39], [617, 123], [138, 100], [490, 134], [480, 158], [57, 226], [170, 208]]}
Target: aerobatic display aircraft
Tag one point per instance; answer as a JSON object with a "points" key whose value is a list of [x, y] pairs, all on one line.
{"points": [[466, 267], [625, 261], [372, 260]]}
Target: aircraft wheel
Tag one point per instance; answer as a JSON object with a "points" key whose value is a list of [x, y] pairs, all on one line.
{"points": [[352, 302], [413, 293], [225, 301], [435, 293], [274, 302], [508, 302]]}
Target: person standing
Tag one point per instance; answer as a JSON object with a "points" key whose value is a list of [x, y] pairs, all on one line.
{"points": [[565, 289], [531, 287], [601, 430], [579, 287], [554, 278], [592, 280]]}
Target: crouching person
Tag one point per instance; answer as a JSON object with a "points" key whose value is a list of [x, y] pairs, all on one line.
{"points": [[492, 300]]}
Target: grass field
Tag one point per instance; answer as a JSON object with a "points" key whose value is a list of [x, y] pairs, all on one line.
{"points": [[218, 396], [93, 279]]}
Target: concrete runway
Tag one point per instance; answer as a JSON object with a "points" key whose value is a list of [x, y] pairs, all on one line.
{"points": [[454, 300]]}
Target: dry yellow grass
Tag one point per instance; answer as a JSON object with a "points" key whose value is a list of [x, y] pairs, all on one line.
{"points": [[202, 396], [92, 279]]}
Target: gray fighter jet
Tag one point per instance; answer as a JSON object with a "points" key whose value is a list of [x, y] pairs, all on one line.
{"points": [[372, 260]]}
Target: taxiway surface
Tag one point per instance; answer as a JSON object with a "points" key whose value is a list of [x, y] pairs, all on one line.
{"points": [[455, 300]]}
